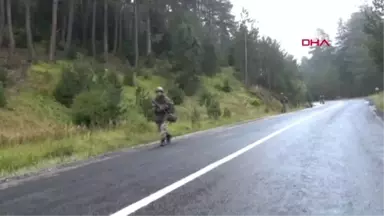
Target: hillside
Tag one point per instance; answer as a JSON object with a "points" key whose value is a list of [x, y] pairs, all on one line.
{"points": [[77, 76], [36, 130]]}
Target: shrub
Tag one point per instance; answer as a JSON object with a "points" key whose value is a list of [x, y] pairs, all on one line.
{"points": [[218, 87], [226, 86], [205, 98], [163, 68], [255, 102], [213, 109], [4, 76], [195, 117], [150, 61], [60, 151], [96, 107], [111, 80], [129, 78], [72, 53], [177, 95], [189, 83], [70, 84], [3, 99], [227, 113], [144, 102]]}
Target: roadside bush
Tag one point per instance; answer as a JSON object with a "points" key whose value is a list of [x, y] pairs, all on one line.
{"points": [[72, 53], [3, 99], [150, 61], [146, 74], [60, 151], [206, 98], [218, 87], [144, 102], [4, 76], [71, 83], [96, 107], [111, 80], [129, 79], [195, 117], [226, 86], [163, 67], [213, 109], [255, 102], [227, 113], [190, 84], [177, 95]]}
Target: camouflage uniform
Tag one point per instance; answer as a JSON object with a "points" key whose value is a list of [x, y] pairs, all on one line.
{"points": [[163, 107], [284, 101]]}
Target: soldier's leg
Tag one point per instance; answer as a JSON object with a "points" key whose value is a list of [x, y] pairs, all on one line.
{"points": [[167, 134], [163, 131]]}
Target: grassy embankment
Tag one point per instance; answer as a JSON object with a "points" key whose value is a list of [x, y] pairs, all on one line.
{"points": [[36, 131], [378, 100]]}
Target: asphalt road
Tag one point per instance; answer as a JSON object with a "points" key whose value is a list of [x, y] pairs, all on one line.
{"points": [[324, 160]]}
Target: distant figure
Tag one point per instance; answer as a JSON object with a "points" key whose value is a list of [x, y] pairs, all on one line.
{"points": [[164, 111], [284, 102], [309, 100], [322, 99]]}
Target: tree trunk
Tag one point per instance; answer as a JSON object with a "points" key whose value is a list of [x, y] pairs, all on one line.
{"points": [[121, 26], [246, 58], [116, 32], [85, 23], [105, 30], [94, 28], [52, 48], [149, 41], [2, 21], [136, 34], [10, 30], [63, 30], [131, 25], [70, 27], [31, 49]]}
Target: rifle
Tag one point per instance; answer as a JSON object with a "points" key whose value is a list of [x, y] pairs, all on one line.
{"points": [[169, 115]]}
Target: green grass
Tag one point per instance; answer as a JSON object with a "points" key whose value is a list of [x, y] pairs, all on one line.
{"points": [[378, 100], [37, 132]]}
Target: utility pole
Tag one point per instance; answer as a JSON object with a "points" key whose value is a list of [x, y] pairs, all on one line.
{"points": [[246, 56]]}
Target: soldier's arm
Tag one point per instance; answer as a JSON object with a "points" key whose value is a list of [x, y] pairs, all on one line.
{"points": [[155, 106], [170, 104]]}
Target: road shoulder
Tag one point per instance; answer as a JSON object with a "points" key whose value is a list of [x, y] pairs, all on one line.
{"points": [[53, 170], [379, 113]]}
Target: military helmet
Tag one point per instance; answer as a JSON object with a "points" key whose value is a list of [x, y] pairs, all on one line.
{"points": [[159, 89]]}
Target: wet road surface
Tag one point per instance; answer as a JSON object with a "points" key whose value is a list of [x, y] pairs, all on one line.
{"points": [[324, 160]]}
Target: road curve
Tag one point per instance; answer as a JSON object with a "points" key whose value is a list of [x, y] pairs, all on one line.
{"points": [[324, 160]]}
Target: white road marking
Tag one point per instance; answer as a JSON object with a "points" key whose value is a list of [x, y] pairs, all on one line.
{"points": [[157, 195]]}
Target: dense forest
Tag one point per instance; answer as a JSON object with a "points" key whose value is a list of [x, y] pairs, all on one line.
{"points": [[80, 74], [353, 66], [196, 36]]}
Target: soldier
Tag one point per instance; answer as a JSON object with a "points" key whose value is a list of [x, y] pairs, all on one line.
{"points": [[284, 101], [163, 109]]}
